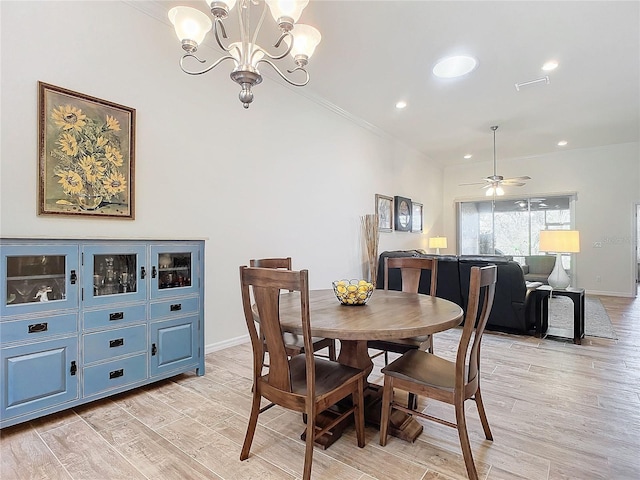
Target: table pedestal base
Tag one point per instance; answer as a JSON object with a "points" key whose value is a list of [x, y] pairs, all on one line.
{"points": [[401, 425]]}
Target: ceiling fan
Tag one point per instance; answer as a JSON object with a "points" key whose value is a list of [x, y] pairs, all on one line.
{"points": [[495, 182]]}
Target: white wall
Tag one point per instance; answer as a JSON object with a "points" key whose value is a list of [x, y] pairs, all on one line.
{"points": [[607, 183], [286, 177]]}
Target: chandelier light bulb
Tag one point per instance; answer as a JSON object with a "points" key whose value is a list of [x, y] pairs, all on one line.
{"points": [[305, 40], [191, 26], [286, 12]]}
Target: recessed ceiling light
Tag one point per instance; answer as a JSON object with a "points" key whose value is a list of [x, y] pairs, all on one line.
{"points": [[456, 66], [550, 65], [468, 156], [401, 104], [562, 143]]}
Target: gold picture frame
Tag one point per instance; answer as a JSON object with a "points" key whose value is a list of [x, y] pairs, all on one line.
{"points": [[86, 151], [384, 211]]}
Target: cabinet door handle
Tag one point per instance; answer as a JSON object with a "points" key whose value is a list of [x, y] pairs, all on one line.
{"points": [[73, 278], [175, 307], [118, 342], [38, 327], [116, 316], [73, 368], [154, 349], [143, 272], [154, 272], [116, 374]]}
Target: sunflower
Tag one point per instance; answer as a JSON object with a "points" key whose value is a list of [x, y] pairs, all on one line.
{"points": [[68, 117], [113, 156], [92, 168], [71, 182], [115, 184], [113, 124], [68, 144], [101, 142]]}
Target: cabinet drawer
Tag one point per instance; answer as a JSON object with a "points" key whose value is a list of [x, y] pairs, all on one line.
{"points": [[114, 316], [111, 375], [36, 328], [114, 343], [174, 308]]}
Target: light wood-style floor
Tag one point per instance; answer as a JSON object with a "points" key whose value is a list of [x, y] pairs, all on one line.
{"points": [[557, 411]]}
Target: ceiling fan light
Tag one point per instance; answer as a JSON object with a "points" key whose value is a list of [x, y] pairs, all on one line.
{"points": [[499, 191], [489, 192]]}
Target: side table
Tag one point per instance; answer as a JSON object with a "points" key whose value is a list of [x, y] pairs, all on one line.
{"points": [[541, 309], [577, 296]]}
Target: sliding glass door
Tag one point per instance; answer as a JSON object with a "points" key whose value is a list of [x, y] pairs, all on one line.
{"points": [[511, 226]]}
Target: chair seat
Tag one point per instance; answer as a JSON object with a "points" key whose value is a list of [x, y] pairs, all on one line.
{"points": [[424, 368], [294, 343], [329, 375], [400, 345]]}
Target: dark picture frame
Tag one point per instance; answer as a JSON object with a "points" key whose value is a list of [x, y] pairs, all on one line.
{"points": [[402, 213], [86, 164], [416, 217], [384, 211]]}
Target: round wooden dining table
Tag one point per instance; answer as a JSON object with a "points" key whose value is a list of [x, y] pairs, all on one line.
{"points": [[388, 315]]}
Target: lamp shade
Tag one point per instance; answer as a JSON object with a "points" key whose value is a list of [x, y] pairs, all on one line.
{"points": [[438, 242], [286, 8], [560, 241], [305, 40], [190, 24]]}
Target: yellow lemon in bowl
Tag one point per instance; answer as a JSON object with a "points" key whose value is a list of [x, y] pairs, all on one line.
{"points": [[353, 292]]}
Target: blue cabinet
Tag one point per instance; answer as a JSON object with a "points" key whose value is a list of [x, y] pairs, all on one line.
{"points": [[86, 319]]}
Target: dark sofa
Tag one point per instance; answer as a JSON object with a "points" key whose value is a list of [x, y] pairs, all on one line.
{"points": [[513, 309]]}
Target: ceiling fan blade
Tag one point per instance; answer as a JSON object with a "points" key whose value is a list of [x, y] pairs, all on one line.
{"points": [[513, 184], [475, 183], [518, 179]]}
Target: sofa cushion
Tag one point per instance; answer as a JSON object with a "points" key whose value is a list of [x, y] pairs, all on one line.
{"points": [[540, 264]]}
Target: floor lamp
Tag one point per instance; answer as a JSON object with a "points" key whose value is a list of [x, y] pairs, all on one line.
{"points": [[559, 242], [438, 243]]}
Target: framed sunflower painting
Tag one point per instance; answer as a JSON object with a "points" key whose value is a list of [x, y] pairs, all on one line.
{"points": [[87, 153]]}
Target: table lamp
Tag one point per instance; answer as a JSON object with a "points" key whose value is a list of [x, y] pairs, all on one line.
{"points": [[438, 243], [559, 242]]}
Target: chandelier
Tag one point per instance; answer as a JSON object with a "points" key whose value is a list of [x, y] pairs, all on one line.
{"points": [[192, 25]]}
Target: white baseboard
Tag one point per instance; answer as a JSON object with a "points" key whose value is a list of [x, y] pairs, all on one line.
{"points": [[232, 342], [609, 294]]}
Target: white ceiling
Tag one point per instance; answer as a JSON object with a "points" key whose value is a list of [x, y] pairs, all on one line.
{"points": [[374, 53]]}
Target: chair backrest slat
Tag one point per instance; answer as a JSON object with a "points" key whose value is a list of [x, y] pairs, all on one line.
{"points": [[482, 286], [266, 284], [411, 270], [279, 262]]}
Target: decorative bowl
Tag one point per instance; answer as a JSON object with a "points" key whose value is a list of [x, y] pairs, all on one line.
{"points": [[352, 292]]}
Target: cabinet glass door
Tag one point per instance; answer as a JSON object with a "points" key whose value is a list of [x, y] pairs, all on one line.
{"points": [[173, 270], [114, 274], [39, 278]]}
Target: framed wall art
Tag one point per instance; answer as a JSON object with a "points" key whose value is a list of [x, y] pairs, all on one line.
{"points": [[402, 214], [416, 217], [86, 155], [384, 210]]}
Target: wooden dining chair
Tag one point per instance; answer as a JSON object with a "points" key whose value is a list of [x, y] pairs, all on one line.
{"points": [[411, 270], [294, 343], [425, 374], [303, 383]]}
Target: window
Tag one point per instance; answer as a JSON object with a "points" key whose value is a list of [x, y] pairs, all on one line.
{"points": [[511, 227]]}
